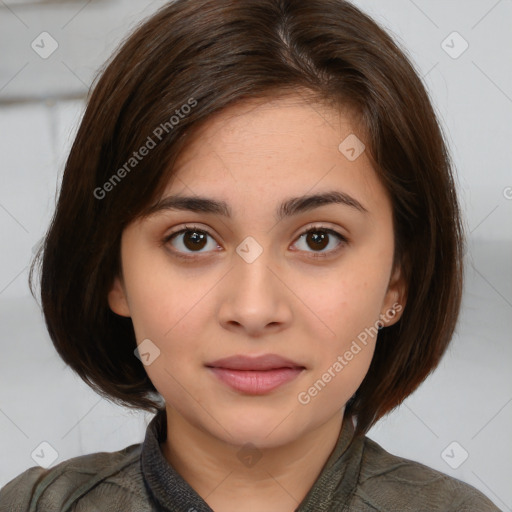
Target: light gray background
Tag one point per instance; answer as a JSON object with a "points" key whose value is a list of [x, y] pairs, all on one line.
{"points": [[468, 399]]}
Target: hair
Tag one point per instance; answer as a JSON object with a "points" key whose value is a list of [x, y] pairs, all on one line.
{"points": [[192, 59]]}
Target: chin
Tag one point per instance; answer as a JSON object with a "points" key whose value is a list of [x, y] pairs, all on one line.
{"points": [[264, 430]]}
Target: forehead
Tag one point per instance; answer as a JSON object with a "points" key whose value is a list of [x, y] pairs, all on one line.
{"points": [[277, 147]]}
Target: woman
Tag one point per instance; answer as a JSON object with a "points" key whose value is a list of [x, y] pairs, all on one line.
{"points": [[258, 238]]}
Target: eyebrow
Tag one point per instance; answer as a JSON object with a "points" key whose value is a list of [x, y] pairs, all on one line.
{"points": [[288, 208]]}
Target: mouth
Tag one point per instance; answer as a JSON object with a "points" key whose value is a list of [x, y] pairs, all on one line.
{"points": [[255, 375]]}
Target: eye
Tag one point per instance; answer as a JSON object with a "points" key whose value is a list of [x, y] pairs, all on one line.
{"points": [[191, 239], [318, 238]]}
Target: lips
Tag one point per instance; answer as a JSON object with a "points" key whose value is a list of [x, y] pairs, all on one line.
{"points": [[266, 362], [255, 375]]}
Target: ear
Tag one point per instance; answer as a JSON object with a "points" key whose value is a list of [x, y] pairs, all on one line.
{"points": [[395, 299], [117, 299]]}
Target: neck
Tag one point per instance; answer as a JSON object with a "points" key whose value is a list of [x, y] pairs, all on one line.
{"points": [[231, 477]]}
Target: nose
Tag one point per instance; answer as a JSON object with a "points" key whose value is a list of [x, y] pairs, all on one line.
{"points": [[255, 298]]}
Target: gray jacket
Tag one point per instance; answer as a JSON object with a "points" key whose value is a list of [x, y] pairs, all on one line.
{"points": [[358, 476]]}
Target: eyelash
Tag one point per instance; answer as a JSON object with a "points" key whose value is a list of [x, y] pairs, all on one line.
{"points": [[312, 229]]}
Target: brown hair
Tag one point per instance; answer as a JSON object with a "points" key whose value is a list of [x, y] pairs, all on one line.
{"points": [[206, 55]]}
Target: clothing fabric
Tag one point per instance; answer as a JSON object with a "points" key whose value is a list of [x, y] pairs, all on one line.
{"points": [[359, 477]]}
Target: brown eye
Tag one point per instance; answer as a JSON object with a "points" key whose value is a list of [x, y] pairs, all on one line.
{"points": [[318, 239], [189, 240], [194, 240]]}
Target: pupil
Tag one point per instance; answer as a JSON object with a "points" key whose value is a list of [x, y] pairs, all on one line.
{"points": [[195, 240], [318, 237]]}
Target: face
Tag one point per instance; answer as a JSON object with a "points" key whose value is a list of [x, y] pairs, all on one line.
{"points": [[291, 296]]}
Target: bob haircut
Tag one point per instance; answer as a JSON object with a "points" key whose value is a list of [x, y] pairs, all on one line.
{"points": [[190, 60]]}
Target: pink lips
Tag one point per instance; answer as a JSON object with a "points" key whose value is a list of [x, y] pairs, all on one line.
{"points": [[255, 375]]}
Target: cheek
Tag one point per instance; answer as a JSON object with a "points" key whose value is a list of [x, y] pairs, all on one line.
{"points": [[170, 312], [343, 307], [347, 335], [160, 296], [168, 318], [346, 312]]}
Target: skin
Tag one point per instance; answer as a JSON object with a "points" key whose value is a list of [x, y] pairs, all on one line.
{"points": [[254, 155]]}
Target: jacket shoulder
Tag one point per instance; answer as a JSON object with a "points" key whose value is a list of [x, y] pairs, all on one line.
{"points": [[390, 482], [94, 478]]}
